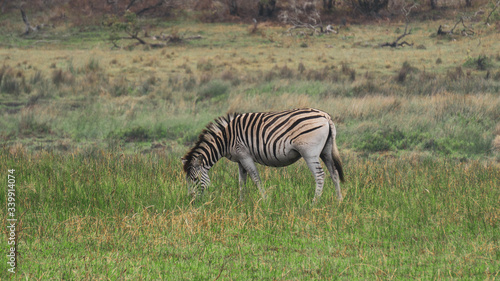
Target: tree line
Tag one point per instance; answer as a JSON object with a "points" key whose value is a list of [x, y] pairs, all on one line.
{"points": [[213, 10]]}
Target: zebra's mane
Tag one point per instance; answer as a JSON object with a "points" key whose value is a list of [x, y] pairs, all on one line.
{"points": [[206, 135]]}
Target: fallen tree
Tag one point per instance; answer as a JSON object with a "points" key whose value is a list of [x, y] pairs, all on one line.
{"points": [[466, 30], [131, 28], [304, 18], [29, 27], [394, 44]]}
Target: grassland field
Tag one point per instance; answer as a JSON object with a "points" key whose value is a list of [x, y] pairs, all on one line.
{"points": [[95, 133]]}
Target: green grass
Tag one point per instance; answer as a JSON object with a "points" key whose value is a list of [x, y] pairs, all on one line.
{"points": [[85, 102], [95, 214]]}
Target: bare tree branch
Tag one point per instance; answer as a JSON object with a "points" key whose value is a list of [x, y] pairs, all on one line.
{"points": [[25, 20], [406, 12], [157, 5], [130, 4], [466, 31], [29, 27], [487, 21], [304, 17]]}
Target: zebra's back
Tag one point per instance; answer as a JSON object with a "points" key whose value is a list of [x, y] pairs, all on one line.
{"points": [[274, 138]]}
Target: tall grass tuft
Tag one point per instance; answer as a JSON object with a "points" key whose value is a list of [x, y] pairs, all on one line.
{"points": [[10, 82], [60, 77], [92, 65]]}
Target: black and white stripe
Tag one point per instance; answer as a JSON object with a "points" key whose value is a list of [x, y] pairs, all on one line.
{"points": [[269, 138]]}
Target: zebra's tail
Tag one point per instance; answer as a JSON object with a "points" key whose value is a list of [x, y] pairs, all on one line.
{"points": [[335, 153]]}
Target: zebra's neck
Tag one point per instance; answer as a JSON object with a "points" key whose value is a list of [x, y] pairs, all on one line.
{"points": [[212, 144], [207, 152]]}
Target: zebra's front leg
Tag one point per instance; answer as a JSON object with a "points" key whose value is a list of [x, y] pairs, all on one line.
{"points": [[249, 166], [319, 176], [242, 181]]}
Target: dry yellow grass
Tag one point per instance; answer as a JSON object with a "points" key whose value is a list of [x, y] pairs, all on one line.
{"points": [[230, 46]]}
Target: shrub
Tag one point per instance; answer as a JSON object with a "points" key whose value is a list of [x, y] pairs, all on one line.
{"points": [[455, 75], [301, 68], [119, 87], [406, 69], [388, 139], [285, 72], [482, 62], [30, 124], [231, 75], [204, 65], [93, 65], [270, 75], [189, 83], [37, 77], [315, 75], [205, 77], [370, 6], [137, 133], [381, 140], [9, 83], [61, 77], [346, 70], [212, 89]]}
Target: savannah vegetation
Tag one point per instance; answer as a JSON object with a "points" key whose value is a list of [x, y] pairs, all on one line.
{"points": [[94, 122]]}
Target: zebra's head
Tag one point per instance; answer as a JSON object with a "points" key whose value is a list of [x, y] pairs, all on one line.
{"points": [[196, 175]]}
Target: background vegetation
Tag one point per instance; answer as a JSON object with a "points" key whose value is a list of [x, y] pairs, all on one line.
{"points": [[94, 123]]}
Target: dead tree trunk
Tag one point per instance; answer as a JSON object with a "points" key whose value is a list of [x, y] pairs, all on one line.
{"points": [[266, 8], [233, 7], [327, 4], [433, 4]]}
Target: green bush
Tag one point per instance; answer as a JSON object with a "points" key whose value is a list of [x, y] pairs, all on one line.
{"points": [[482, 62], [213, 89], [390, 139], [137, 133], [381, 140]]}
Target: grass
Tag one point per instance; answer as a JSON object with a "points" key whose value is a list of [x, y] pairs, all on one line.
{"points": [[98, 214], [95, 135], [85, 101]]}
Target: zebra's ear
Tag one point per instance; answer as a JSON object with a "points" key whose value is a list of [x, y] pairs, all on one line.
{"points": [[184, 160]]}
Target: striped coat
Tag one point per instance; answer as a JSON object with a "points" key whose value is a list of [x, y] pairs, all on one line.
{"points": [[269, 138]]}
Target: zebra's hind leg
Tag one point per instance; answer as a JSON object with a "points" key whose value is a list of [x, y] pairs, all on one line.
{"points": [[319, 176], [249, 166], [334, 174], [242, 181]]}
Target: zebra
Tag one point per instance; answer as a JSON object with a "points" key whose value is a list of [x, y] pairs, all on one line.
{"points": [[274, 139]]}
